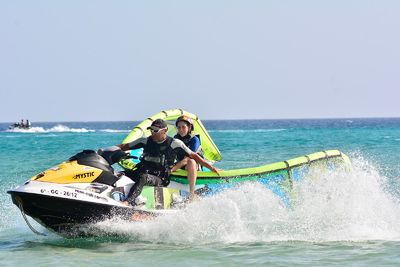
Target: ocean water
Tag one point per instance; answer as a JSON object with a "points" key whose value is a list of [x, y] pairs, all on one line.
{"points": [[341, 219]]}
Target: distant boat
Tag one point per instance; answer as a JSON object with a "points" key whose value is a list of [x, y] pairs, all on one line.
{"points": [[20, 125]]}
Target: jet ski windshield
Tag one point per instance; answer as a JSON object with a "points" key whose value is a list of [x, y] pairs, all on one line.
{"points": [[92, 159]]}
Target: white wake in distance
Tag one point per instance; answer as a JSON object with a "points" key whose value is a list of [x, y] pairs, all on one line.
{"points": [[56, 129]]}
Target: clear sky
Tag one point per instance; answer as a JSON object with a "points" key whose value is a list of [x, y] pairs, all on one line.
{"points": [[126, 60]]}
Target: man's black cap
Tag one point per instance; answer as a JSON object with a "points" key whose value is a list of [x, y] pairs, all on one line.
{"points": [[158, 124]]}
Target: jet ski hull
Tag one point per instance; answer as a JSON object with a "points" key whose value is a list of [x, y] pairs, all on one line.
{"points": [[65, 216], [71, 210]]}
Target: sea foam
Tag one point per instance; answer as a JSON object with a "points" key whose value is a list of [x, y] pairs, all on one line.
{"points": [[330, 206], [56, 129]]}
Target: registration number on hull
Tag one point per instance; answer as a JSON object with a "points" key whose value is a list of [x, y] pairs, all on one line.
{"points": [[59, 192]]}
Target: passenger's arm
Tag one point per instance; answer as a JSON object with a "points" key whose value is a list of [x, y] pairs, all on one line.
{"points": [[202, 162], [194, 144]]}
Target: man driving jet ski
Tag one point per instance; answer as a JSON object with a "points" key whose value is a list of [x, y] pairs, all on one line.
{"points": [[159, 156]]}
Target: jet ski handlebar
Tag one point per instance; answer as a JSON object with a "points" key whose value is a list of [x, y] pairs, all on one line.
{"points": [[114, 154]]}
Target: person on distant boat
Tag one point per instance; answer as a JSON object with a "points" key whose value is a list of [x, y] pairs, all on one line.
{"points": [[184, 124], [28, 124], [22, 124], [159, 156]]}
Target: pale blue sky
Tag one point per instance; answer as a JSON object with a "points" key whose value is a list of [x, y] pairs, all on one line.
{"points": [[126, 60]]}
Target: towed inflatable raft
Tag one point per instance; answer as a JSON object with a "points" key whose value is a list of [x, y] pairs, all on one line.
{"points": [[279, 176]]}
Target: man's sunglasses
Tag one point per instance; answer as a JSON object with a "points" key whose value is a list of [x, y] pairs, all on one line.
{"points": [[156, 130]]}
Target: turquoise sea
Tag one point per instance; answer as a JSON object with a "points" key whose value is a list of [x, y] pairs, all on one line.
{"points": [[341, 219]]}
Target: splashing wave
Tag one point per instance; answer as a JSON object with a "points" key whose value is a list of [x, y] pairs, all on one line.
{"points": [[331, 206], [335, 206]]}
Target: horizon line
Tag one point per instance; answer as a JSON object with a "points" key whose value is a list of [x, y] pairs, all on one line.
{"points": [[250, 119]]}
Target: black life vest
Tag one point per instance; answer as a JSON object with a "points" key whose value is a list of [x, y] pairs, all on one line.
{"points": [[157, 158], [186, 140]]}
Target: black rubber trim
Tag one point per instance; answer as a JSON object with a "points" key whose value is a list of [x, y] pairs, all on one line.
{"points": [[159, 197], [288, 172], [106, 178], [166, 114], [308, 159]]}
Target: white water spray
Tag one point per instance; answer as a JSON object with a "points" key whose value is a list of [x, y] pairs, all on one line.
{"points": [[335, 206], [56, 129]]}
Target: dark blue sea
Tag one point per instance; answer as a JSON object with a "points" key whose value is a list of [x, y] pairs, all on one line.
{"points": [[341, 219]]}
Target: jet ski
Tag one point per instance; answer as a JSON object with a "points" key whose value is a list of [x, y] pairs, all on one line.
{"points": [[70, 197], [83, 190], [20, 126]]}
